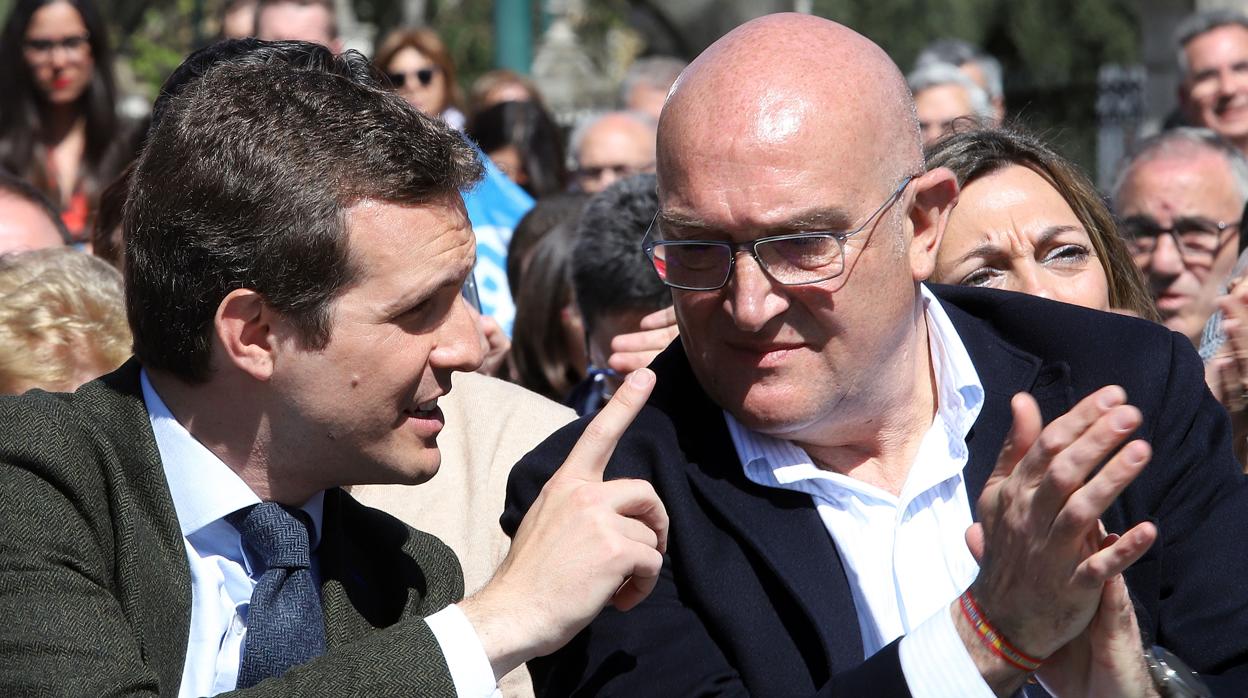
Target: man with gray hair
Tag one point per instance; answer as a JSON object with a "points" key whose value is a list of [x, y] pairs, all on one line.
{"points": [[981, 67], [1180, 196], [1212, 54], [610, 147], [942, 95], [647, 83]]}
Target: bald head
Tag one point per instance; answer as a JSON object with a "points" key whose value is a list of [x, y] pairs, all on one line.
{"points": [[794, 81], [790, 128]]}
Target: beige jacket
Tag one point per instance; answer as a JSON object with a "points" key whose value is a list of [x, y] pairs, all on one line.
{"points": [[490, 424]]}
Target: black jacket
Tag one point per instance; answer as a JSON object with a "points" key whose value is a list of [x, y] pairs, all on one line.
{"points": [[753, 598]]}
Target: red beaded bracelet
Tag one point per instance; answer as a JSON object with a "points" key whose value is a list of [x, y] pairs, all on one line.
{"points": [[992, 639]]}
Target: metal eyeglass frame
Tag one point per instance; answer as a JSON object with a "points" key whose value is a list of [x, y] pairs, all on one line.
{"points": [[648, 246]]}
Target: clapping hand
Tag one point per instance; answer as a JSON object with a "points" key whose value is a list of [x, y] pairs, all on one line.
{"points": [[1044, 573]]}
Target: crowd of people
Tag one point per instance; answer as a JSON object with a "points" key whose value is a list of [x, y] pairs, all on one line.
{"points": [[708, 415]]}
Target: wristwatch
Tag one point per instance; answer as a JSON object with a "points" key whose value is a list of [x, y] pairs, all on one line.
{"points": [[1172, 677]]}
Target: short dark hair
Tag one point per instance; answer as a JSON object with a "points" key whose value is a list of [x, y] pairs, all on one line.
{"points": [[609, 270], [14, 186], [244, 183]]}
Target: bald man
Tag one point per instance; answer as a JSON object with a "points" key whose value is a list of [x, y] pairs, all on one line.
{"points": [[28, 220], [612, 147], [876, 487]]}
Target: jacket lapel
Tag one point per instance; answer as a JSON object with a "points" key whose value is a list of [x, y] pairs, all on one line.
{"points": [[1004, 370], [779, 526], [161, 578]]}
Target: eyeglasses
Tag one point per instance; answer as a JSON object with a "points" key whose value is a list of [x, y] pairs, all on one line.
{"points": [[619, 171], [424, 76], [43, 48], [791, 260], [1198, 239]]}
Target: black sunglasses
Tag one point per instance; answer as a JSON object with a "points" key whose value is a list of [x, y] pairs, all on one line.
{"points": [[424, 76]]}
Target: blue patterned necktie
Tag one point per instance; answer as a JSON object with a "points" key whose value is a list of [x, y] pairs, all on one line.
{"points": [[285, 627]]}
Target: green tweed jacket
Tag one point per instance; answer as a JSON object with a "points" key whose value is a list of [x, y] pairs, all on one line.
{"points": [[95, 591]]}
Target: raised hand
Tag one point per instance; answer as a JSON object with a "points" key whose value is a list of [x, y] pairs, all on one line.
{"points": [[635, 350], [1043, 575], [583, 544], [1227, 373]]}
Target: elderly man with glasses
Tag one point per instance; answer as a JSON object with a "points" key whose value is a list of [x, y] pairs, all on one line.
{"points": [[862, 501], [1180, 196]]}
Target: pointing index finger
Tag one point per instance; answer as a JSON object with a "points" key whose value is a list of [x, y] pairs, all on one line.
{"points": [[588, 459]]}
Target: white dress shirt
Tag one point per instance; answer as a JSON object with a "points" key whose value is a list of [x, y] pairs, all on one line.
{"points": [[905, 556], [205, 490]]}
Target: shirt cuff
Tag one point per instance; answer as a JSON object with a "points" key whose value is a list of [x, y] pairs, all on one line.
{"points": [[936, 663], [470, 668]]}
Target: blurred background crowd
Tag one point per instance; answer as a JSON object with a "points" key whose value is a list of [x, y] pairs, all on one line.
{"points": [[1099, 145]]}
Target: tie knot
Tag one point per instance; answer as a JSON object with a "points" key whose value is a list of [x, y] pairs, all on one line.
{"points": [[275, 534]]}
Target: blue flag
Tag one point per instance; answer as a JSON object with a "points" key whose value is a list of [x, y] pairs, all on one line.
{"points": [[494, 206]]}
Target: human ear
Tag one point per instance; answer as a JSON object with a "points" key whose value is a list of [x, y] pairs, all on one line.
{"points": [[243, 332], [935, 194]]}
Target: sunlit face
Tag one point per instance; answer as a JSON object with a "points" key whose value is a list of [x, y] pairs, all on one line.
{"points": [[1215, 90], [364, 408], [240, 22], [614, 148], [419, 80], [290, 21], [57, 50], [792, 361], [1012, 230], [1194, 186], [939, 107]]}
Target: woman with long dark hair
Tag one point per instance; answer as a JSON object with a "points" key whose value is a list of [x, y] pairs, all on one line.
{"points": [[58, 125]]}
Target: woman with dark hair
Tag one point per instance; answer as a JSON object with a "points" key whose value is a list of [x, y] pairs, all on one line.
{"points": [[548, 338], [58, 127], [1029, 220], [420, 69], [524, 142]]}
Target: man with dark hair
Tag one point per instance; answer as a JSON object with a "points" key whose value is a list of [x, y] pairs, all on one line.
{"points": [[296, 247], [28, 220], [615, 287]]}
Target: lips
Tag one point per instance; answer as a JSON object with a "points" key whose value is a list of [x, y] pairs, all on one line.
{"points": [[769, 355], [425, 419], [61, 83]]}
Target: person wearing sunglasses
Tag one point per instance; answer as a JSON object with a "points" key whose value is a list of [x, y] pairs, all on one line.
{"points": [[419, 67]]}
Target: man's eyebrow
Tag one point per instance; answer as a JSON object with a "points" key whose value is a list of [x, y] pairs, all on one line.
{"points": [[815, 219]]}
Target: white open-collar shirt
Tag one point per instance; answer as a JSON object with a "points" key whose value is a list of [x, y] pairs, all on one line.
{"points": [[905, 556]]}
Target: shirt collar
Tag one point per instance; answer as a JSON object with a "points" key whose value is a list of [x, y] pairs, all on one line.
{"points": [[204, 489], [774, 462]]}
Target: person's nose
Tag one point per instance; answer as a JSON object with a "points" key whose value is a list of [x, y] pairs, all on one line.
{"points": [[460, 345], [58, 57], [752, 297], [1167, 258], [1032, 281]]}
